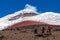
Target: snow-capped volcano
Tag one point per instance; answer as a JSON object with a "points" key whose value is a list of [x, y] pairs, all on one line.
{"points": [[29, 13]]}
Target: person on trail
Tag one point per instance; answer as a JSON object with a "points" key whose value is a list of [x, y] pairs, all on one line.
{"points": [[49, 29], [35, 31], [43, 30]]}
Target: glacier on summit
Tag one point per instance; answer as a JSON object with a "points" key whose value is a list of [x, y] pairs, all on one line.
{"points": [[29, 13]]}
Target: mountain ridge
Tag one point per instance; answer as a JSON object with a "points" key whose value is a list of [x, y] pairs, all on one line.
{"points": [[47, 17]]}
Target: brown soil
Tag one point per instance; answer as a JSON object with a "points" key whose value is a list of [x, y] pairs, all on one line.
{"points": [[26, 35]]}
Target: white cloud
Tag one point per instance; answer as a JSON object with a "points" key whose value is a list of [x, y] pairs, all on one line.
{"points": [[27, 6]]}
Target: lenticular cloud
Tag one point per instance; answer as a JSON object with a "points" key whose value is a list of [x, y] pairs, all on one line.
{"points": [[47, 17], [27, 6]]}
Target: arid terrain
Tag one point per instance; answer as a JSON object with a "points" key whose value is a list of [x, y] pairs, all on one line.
{"points": [[27, 34]]}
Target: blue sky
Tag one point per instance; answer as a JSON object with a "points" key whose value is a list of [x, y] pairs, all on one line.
{"points": [[11, 6]]}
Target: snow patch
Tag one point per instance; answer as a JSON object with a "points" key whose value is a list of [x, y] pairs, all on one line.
{"points": [[47, 17]]}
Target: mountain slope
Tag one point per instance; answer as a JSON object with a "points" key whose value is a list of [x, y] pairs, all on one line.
{"points": [[26, 23], [29, 13]]}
